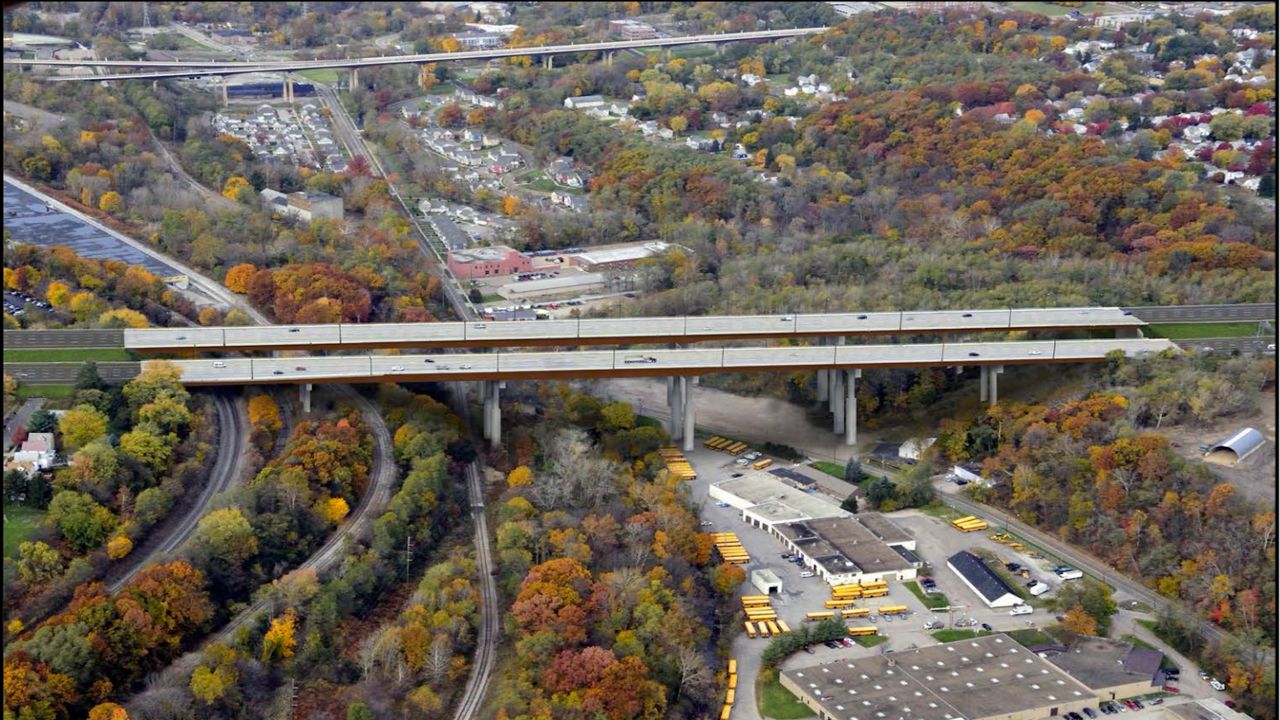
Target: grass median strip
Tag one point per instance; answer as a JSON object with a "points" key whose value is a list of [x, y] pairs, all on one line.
{"points": [[68, 355]]}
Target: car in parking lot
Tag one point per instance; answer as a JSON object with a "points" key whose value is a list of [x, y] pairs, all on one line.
{"points": [[932, 624], [1073, 716], [831, 644], [705, 523], [1216, 684], [806, 574], [1090, 712], [846, 642], [986, 627]]}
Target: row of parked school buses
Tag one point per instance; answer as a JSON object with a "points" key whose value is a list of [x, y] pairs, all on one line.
{"points": [[970, 524], [860, 591], [733, 689], [719, 444], [730, 548], [677, 464]]}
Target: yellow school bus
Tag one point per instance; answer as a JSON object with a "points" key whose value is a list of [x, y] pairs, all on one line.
{"points": [[762, 464], [733, 666], [867, 630], [893, 609], [728, 697], [784, 627], [816, 616], [762, 628], [856, 612], [836, 604], [733, 681], [751, 629], [773, 628], [724, 712]]}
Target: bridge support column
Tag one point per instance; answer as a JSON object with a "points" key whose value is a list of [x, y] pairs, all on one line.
{"points": [[286, 88], [982, 383], [304, 395], [225, 100], [546, 62], [608, 58], [838, 399], [994, 372], [355, 78], [495, 412], [851, 406], [1129, 332], [686, 399], [487, 414], [675, 403], [823, 385]]}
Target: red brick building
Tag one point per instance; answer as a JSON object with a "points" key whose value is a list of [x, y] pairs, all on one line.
{"points": [[488, 262]]}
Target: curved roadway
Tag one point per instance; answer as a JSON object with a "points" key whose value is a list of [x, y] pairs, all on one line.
{"points": [[227, 468], [375, 498]]}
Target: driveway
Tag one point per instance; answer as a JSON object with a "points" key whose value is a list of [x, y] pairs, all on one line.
{"points": [[21, 417]]}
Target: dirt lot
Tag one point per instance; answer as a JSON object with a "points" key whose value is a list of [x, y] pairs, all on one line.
{"points": [[1256, 476]]}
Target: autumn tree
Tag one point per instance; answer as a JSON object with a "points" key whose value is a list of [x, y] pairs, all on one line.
{"points": [[238, 277], [1079, 622], [279, 641], [111, 202], [80, 426]]}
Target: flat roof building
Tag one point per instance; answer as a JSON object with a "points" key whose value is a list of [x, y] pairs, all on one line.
{"points": [[843, 551], [1113, 670], [488, 261], [577, 282], [985, 678], [617, 256], [982, 580]]}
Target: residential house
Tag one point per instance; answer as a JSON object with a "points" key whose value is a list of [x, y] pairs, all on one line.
{"points": [[583, 102], [562, 171]]}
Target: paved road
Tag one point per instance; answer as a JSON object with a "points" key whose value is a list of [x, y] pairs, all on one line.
{"points": [[64, 373], [357, 525], [1226, 345], [1205, 313], [1076, 557], [233, 428], [47, 339], [22, 416]]}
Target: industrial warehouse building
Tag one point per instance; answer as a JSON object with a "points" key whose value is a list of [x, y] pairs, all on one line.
{"points": [[985, 678], [982, 580], [1112, 670], [837, 545], [1233, 450]]}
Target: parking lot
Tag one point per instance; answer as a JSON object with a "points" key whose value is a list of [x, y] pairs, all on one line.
{"points": [[29, 221]]}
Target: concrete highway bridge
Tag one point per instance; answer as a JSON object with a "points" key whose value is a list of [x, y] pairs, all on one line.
{"points": [[166, 69], [593, 331], [838, 368]]}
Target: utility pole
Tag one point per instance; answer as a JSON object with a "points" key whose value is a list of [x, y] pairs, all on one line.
{"points": [[408, 554]]}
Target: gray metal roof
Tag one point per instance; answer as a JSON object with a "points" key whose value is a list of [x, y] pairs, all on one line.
{"points": [[980, 577], [1243, 443]]}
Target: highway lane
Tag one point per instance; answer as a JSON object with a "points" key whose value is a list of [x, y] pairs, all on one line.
{"points": [[1259, 345], [196, 68], [1205, 313], [49, 339], [64, 373], [642, 363], [588, 331], [227, 468]]}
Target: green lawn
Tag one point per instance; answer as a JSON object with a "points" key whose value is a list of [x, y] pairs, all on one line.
{"points": [[1054, 10], [930, 600], [26, 392], [835, 470], [19, 523], [776, 701], [946, 636], [870, 640], [491, 298], [543, 185], [1201, 330], [323, 75], [646, 421], [70, 355], [1030, 636]]}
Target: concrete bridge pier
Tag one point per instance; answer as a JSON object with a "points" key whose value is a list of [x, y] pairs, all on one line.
{"points": [[493, 412], [287, 88], [304, 395], [608, 58], [546, 62], [686, 400], [994, 371], [851, 406], [838, 400], [675, 403], [487, 414], [225, 99], [355, 78], [982, 383]]}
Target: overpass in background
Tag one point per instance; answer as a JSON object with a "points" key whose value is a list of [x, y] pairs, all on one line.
{"points": [[603, 331], [839, 368], [186, 69]]}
